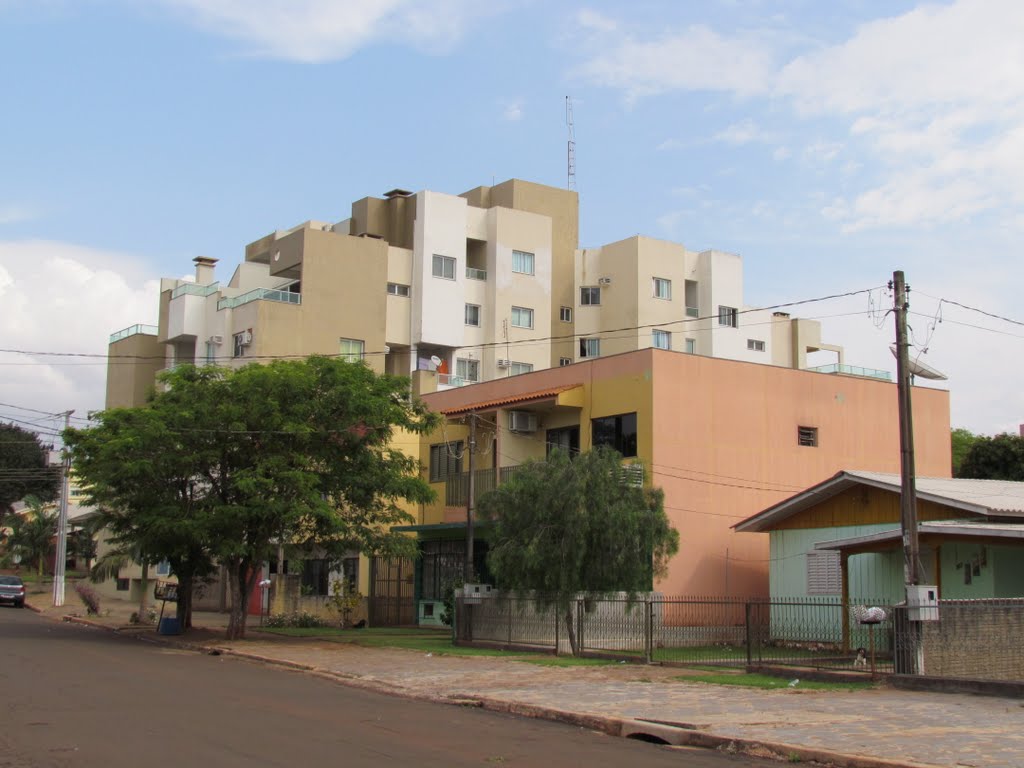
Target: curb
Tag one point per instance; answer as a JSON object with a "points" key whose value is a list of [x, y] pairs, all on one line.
{"points": [[670, 734]]}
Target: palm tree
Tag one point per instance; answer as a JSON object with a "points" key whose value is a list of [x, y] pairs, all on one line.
{"points": [[109, 565], [33, 533]]}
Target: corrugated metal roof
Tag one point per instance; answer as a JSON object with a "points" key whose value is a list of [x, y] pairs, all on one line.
{"points": [[958, 528], [541, 394], [980, 497]]}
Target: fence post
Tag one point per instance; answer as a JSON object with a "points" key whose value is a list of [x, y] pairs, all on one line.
{"points": [[557, 620], [649, 630], [750, 634], [579, 626], [509, 604]]}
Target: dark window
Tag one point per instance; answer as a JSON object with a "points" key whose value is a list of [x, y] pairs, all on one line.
{"points": [[445, 459], [123, 585], [314, 577], [618, 432], [565, 439], [443, 564], [590, 295], [350, 572], [273, 565], [728, 316], [807, 436]]}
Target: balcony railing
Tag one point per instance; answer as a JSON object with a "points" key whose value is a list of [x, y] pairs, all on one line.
{"points": [[451, 380], [191, 289], [457, 487], [476, 274], [692, 312], [853, 370], [132, 330], [260, 294]]}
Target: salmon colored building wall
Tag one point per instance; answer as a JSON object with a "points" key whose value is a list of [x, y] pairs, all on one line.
{"points": [[720, 437]]}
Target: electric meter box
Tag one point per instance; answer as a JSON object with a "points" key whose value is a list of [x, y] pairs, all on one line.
{"points": [[922, 602], [474, 593]]}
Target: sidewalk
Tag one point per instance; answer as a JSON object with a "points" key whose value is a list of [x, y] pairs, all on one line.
{"points": [[859, 728]]}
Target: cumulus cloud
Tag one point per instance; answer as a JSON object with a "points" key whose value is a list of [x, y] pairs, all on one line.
{"points": [[66, 298], [328, 30]]}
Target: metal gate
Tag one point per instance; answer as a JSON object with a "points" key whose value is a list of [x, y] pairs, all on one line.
{"points": [[392, 583]]}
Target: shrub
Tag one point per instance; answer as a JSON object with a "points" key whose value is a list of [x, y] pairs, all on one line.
{"points": [[302, 619], [89, 598]]}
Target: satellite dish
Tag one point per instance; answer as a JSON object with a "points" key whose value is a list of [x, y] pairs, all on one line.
{"points": [[920, 368], [435, 361]]}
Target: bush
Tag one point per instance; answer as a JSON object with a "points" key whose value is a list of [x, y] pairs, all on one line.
{"points": [[89, 598], [302, 619]]}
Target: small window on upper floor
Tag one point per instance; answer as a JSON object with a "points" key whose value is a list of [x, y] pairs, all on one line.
{"points": [[515, 369], [662, 288], [473, 314], [443, 266], [564, 361], [755, 345], [661, 339], [522, 317], [807, 436], [522, 262], [397, 289], [691, 346], [565, 314], [590, 347], [351, 350], [728, 316], [590, 296]]}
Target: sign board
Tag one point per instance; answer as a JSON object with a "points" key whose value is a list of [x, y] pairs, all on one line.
{"points": [[166, 591]]}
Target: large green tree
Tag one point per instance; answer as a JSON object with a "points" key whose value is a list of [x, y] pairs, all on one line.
{"points": [[961, 441], [995, 458], [567, 528], [288, 451], [24, 469]]}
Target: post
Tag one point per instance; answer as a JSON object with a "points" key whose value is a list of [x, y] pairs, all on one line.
{"points": [[750, 635], [908, 493], [60, 559], [648, 630], [469, 568]]}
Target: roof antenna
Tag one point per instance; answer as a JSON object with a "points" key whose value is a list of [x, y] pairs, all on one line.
{"points": [[571, 184]]}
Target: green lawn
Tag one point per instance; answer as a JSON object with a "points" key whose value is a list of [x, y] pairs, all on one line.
{"points": [[754, 680]]}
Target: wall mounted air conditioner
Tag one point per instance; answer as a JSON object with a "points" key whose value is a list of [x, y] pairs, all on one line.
{"points": [[503, 363], [522, 421], [217, 339], [245, 338], [604, 281]]}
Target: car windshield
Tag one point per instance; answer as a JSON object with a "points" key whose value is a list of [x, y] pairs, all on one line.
{"points": [[10, 581]]}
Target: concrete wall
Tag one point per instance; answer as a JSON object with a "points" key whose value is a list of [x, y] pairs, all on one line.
{"points": [[132, 370]]}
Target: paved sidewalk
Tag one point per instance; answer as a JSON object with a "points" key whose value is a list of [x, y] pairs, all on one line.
{"points": [[859, 728]]}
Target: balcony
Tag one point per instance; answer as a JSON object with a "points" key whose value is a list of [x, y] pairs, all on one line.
{"points": [[260, 294], [449, 381], [853, 370], [457, 487], [472, 273], [132, 330], [692, 312], [191, 289]]}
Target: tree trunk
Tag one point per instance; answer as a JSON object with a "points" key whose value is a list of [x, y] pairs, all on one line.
{"points": [[145, 589], [570, 628], [183, 610], [243, 579]]}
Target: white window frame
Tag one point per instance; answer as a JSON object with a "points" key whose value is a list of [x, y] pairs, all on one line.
{"points": [[238, 344], [588, 294], [590, 347], [755, 345], [441, 265], [517, 369], [565, 314], [824, 573], [398, 289], [728, 317], [691, 346], [523, 262], [564, 361], [351, 350], [662, 288], [664, 336], [518, 313], [467, 369], [469, 308]]}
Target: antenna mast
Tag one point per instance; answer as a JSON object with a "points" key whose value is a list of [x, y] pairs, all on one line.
{"points": [[571, 184]]}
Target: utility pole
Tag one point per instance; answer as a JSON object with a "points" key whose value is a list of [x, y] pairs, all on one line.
{"points": [[908, 489], [60, 561], [468, 573]]}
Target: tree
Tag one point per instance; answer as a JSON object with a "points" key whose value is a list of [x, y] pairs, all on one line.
{"points": [[995, 458], [24, 469], [961, 441], [296, 451], [570, 527], [33, 532]]}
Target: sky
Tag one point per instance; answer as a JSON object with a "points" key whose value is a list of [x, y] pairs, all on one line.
{"points": [[827, 143]]}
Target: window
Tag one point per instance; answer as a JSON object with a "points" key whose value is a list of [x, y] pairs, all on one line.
{"points": [[473, 314], [618, 432], [807, 436], [444, 266], [755, 345], [565, 314], [662, 288], [445, 460], [442, 564], [590, 296], [522, 317], [565, 439], [397, 289], [522, 261], [590, 347], [315, 577], [824, 573], [661, 339], [691, 346], [728, 316], [564, 361], [123, 585], [350, 573], [350, 350], [514, 369], [211, 353], [241, 341], [468, 370], [163, 568]]}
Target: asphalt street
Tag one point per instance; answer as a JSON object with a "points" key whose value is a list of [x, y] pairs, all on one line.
{"points": [[76, 696]]}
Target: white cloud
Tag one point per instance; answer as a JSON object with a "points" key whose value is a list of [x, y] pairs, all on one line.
{"points": [[591, 19], [743, 132], [328, 30], [782, 153], [15, 214], [66, 298]]}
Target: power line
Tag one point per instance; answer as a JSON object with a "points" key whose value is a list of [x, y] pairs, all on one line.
{"points": [[974, 309]]}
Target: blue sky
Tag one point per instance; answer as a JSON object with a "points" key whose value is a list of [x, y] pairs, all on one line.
{"points": [[828, 143]]}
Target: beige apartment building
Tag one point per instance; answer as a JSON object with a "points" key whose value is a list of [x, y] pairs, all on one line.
{"points": [[454, 290]]}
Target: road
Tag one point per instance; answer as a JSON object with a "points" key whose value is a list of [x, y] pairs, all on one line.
{"points": [[82, 697]]}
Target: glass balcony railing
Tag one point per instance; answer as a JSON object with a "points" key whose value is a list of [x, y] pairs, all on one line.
{"points": [[260, 294], [853, 370], [191, 289], [450, 380], [473, 273], [132, 330]]}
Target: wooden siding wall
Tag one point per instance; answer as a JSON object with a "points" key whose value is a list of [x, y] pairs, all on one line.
{"points": [[864, 506]]}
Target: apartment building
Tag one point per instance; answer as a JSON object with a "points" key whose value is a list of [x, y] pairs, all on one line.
{"points": [[454, 290]]}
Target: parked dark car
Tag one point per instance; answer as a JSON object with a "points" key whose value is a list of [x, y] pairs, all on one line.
{"points": [[12, 590]]}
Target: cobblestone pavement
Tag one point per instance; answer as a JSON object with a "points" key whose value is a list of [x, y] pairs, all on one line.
{"points": [[872, 725]]}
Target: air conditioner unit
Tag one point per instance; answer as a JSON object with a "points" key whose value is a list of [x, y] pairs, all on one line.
{"points": [[522, 421], [387, 349], [502, 363], [217, 339], [245, 338], [604, 281]]}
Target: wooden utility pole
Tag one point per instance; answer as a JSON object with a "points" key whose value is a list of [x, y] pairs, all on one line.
{"points": [[60, 559], [469, 571], [908, 491]]}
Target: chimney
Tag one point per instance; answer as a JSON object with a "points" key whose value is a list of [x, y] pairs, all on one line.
{"points": [[204, 269], [1022, 430]]}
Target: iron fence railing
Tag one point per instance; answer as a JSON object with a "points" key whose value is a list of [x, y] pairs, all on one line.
{"points": [[457, 485]]}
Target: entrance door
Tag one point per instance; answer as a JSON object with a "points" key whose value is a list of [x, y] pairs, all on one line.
{"points": [[392, 581]]}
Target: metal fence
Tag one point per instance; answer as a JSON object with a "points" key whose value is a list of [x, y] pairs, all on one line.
{"points": [[805, 632]]}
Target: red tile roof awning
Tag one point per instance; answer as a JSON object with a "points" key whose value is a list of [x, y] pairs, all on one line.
{"points": [[526, 397]]}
